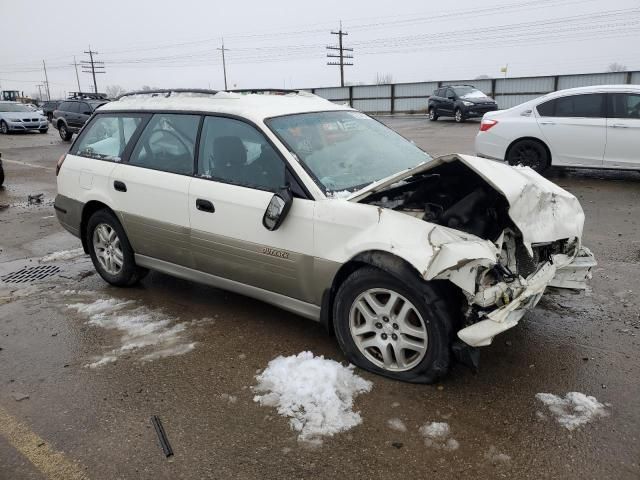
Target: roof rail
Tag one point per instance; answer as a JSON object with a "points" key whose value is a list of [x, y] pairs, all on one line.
{"points": [[168, 91], [274, 91], [87, 96]]}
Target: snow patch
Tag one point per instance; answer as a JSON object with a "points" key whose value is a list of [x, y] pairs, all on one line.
{"points": [[397, 425], [315, 393], [63, 255], [574, 410], [436, 435], [151, 332], [495, 457]]}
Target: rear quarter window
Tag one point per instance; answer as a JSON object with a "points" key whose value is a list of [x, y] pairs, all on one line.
{"points": [[107, 137]]}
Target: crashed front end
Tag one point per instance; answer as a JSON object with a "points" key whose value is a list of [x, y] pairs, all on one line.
{"points": [[501, 234]]}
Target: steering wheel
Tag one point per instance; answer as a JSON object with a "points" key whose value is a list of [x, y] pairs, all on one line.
{"points": [[170, 133]]}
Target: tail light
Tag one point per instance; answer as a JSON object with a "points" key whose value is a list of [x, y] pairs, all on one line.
{"points": [[59, 164], [487, 124]]}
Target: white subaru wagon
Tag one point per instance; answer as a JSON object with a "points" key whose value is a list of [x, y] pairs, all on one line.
{"points": [[321, 210]]}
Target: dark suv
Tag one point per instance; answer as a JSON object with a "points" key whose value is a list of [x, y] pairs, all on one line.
{"points": [[71, 115], [49, 106], [460, 102]]}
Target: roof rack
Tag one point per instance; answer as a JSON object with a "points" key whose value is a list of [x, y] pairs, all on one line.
{"points": [[87, 96], [167, 92], [274, 91]]}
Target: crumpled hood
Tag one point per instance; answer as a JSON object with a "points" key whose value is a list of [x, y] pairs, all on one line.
{"points": [[542, 211]]}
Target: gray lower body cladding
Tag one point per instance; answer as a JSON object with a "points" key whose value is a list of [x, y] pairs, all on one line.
{"points": [[69, 213]]}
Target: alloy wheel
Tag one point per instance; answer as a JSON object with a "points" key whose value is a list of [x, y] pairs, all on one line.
{"points": [[388, 329], [527, 155], [107, 248]]}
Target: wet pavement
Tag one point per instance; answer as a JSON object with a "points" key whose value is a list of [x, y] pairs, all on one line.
{"points": [[196, 366]]}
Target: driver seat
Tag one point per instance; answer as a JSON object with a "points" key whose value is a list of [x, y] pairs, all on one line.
{"points": [[230, 159]]}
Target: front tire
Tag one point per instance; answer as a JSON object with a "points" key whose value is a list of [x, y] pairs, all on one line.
{"points": [[399, 329], [530, 153], [4, 128], [433, 114], [110, 250], [44, 130], [459, 116], [64, 132]]}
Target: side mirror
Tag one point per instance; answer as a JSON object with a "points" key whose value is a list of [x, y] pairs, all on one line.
{"points": [[277, 209]]}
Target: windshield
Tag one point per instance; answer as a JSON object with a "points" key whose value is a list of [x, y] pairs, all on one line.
{"points": [[13, 107], [346, 150], [469, 92]]}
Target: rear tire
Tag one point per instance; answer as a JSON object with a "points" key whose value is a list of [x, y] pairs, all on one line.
{"points": [[417, 319], [110, 250], [64, 132], [530, 153], [459, 116], [433, 114], [1, 176]]}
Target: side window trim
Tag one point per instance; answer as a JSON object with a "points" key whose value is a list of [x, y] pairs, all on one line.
{"points": [[289, 173]]}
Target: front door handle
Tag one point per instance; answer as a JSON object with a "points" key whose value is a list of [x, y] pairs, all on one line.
{"points": [[119, 186], [547, 123], [619, 125], [205, 205]]}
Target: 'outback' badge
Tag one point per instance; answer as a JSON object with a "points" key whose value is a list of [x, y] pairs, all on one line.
{"points": [[275, 253]]}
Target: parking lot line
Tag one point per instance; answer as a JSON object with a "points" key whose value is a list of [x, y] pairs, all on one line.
{"points": [[53, 464], [18, 162]]}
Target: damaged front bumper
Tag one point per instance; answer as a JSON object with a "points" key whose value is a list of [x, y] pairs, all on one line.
{"points": [[571, 275]]}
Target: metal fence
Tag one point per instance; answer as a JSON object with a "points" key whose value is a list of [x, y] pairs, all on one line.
{"points": [[508, 92]]}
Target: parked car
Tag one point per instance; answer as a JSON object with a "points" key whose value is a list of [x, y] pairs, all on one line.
{"points": [[460, 102], [588, 127], [325, 212], [16, 117], [49, 106], [71, 115]]}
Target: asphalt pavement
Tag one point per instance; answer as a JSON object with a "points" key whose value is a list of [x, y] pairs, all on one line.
{"points": [[75, 404]]}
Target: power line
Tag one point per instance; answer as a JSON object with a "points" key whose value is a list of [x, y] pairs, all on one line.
{"points": [[92, 66], [341, 55]]}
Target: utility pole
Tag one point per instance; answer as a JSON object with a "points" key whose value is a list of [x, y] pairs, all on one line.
{"points": [[75, 64], [46, 79], [39, 91], [92, 66], [224, 64], [341, 55]]}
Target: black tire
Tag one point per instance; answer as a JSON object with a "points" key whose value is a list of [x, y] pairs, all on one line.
{"points": [[130, 273], [431, 306], [459, 116], [4, 128], [433, 114], [49, 116], [1, 176], [64, 132], [530, 153], [44, 130]]}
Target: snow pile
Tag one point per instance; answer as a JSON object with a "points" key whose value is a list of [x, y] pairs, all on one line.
{"points": [[495, 457], [63, 255], [315, 393], [436, 435], [574, 410], [397, 425], [151, 332]]}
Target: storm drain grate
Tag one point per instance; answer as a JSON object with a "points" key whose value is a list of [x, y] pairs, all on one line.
{"points": [[30, 274]]}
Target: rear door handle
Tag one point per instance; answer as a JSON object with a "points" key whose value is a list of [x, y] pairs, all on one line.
{"points": [[547, 123], [205, 205], [119, 186], [619, 125]]}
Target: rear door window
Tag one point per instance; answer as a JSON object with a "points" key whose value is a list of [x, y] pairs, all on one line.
{"points": [[106, 137], [624, 105], [168, 144]]}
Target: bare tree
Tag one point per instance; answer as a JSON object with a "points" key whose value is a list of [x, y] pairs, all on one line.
{"points": [[617, 67], [114, 91], [482, 77], [384, 79]]}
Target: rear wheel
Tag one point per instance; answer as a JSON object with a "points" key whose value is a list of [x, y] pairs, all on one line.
{"points": [[433, 114], [64, 132], [110, 250], [530, 153], [459, 116], [399, 329]]}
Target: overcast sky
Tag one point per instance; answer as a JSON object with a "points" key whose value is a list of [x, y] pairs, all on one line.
{"points": [[282, 43]]}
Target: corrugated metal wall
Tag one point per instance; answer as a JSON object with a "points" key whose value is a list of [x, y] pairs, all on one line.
{"points": [[509, 92]]}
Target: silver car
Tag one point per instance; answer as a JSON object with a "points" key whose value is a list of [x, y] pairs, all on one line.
{"points": [[18, 117]]}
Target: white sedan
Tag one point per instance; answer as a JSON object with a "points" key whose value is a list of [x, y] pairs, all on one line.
{"points": [[589, 127]]}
